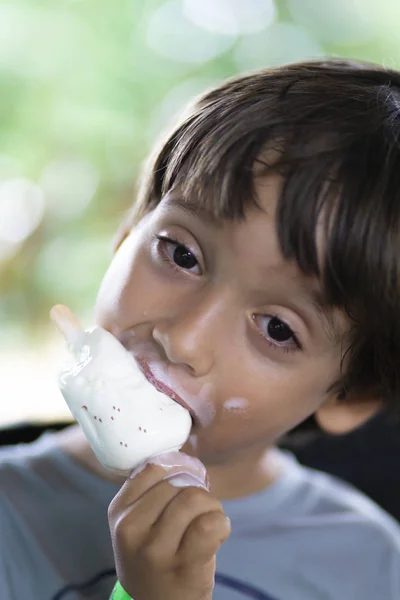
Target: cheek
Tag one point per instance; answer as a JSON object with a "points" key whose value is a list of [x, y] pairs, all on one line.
{"points": [[125, 289], [274, 403]]}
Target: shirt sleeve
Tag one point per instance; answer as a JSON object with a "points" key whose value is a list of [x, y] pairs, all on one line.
{"points": [[9, 591]]}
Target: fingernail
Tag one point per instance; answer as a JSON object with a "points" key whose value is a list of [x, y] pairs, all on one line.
{"points": [[170, 460], [176, 459], [181, 480]]}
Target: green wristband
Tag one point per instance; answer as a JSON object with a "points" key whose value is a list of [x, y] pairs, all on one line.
{"points": [[119, 593]]}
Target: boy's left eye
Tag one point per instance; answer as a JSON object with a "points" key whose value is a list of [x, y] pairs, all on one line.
{"points": [[277, 332]]}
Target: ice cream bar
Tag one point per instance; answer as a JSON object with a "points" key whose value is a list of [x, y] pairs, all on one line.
{"points": [[125, 419]]}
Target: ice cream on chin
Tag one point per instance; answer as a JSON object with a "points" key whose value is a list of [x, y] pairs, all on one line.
{"points": [[124, 418]]}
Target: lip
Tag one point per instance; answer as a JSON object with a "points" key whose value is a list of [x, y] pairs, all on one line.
{"points": [[162, 387]]}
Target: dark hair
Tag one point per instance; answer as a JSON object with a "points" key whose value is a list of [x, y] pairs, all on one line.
{"points": [[336, 127]]}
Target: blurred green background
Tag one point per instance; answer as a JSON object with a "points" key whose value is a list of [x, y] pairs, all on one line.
{"points": [[85, 87]]}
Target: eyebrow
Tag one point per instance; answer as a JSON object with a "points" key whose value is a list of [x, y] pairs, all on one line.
{"points": [[191, 207]]}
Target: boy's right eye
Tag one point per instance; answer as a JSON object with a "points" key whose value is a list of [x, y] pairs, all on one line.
{"points": [[177, 255]]}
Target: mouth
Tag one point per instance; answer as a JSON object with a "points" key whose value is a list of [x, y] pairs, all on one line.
{"points": [[162, 387]]}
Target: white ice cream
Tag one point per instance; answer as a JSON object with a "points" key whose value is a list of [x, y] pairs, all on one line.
{"points": [[125, 419]]}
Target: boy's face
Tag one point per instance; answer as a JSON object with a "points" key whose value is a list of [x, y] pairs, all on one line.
{"points": [[213, 312]]}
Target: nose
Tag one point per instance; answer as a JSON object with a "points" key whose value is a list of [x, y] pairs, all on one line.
{"points": [[190, 337]]}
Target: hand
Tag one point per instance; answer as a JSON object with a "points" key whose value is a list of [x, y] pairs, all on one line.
{"points": [[166, 528]]}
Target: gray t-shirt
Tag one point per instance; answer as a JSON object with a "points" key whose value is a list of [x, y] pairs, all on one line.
{"points": [[307, 537]]}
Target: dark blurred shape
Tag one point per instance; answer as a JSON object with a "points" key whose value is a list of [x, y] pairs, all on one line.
{"points": [[23, 433], [368, 458]]}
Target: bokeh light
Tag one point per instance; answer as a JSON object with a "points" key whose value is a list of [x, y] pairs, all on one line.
{"points": [[69, 185], [174, 36], [21, 209], [230, 17]]}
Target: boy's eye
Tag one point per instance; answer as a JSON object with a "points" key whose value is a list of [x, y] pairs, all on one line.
{"points": [[183, 257], [277, 333], [178, 255]]}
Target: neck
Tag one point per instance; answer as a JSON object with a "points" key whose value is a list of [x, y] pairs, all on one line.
{"points": [[246, 475]]}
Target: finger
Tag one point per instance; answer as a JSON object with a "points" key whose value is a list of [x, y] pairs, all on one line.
{"points": [[130, 526], [178, 514], [151, 472], [136, 524], [204, 536], [135, 520]]}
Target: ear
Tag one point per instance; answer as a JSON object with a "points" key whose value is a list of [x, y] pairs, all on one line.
{"points": [[128, 224], [342, 416], [120, 236]]}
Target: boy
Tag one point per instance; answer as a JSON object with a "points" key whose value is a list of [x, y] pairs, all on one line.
{"points": [[257, 280]]}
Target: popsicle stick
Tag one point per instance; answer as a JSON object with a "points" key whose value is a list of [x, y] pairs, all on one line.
{"points": [[67, 322]]}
